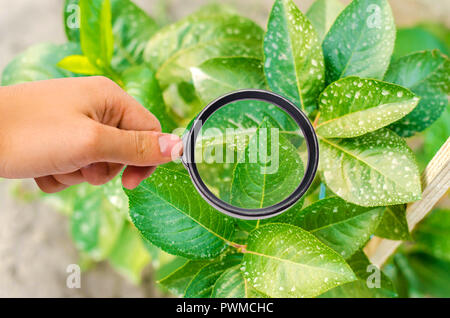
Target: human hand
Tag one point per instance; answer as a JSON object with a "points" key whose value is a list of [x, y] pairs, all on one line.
{"points": [[66, 131]]}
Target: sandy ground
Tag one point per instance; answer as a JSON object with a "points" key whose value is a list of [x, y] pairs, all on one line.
{"points": [[35, 247]]}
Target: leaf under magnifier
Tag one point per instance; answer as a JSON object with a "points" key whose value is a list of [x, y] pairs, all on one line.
{"points": [[267, 180], [228, 135]]}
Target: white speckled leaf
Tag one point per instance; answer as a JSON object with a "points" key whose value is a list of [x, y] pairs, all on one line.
{"points": [[169, 212], [231, 284], [427, 74], [177, 274], [202, 284], [95, 223], [343, 226], [293, 64], [173, 50], [219, 76], [287, 216], [353, 106], [361, 41], [113, 192], [322, 14], [371, 170], [39, 62], [253, 188], [394, 225], [132, 28], [359, 288], [283, 260]]}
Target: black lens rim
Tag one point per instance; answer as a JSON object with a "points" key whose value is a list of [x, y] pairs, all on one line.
{"points": [[301, 119]]}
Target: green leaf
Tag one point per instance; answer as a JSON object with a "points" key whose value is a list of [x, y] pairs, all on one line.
{"points": [[343, 226], [427, 275], [157, 256], [361, 41], [95, 223], [64, 201], [352, 107], [434, 137], [285, 217], [394, 226], [181, 275], [131, 26], [253, 189], [212, 9], [79, 64], [360, 288], [283, 260], [293, 64], [85, 225], [432, 234], [141, 83], [114, 193], [427, 75], [219, 76], [182, 102], [170, 267], [176, 48], [231, 284], [244, 117], [417, 38], [129, 255], [96, 37], [201, 285], [322, 14], [372, 170], [72, 20], [37, 63], [170, 213], [403, 277], [132, 29], [440, 31]]}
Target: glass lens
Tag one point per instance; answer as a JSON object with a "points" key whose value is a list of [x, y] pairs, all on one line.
{"points": [[251, 154]]}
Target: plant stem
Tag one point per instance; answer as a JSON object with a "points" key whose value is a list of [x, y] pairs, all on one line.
{"points": [[241, 248], [316, 120]]}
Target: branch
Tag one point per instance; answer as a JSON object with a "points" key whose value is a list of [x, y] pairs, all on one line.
{"points": [[435, 183]]}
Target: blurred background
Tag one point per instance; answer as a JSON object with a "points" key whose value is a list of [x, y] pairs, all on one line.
{"points": [[35, 244]]}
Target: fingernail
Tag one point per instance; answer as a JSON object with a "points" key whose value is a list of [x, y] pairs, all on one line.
{"points": [[168, 145]]}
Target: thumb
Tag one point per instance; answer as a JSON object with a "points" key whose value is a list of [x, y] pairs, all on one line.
{"points": [[138, 148]]}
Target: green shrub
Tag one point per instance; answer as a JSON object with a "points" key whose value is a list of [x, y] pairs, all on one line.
{"points": [[334, 63]]}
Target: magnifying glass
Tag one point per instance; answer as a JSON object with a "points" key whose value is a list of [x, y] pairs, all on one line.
{"points": [[251, 154]]}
